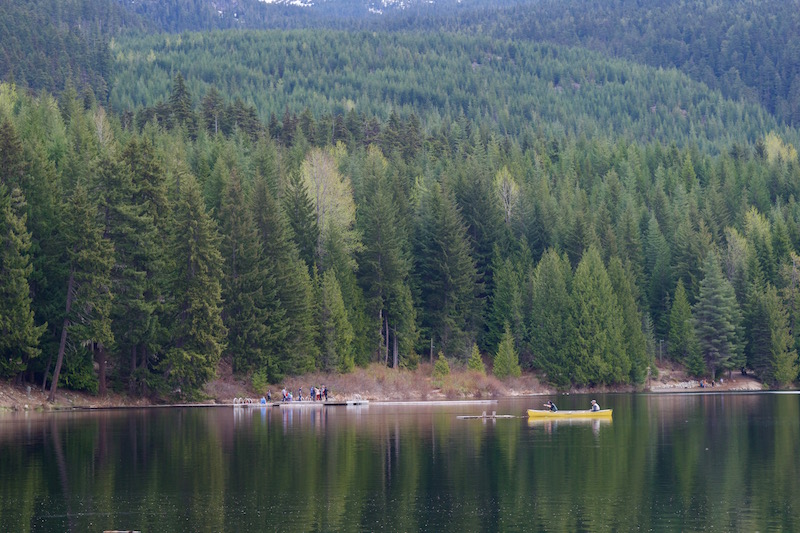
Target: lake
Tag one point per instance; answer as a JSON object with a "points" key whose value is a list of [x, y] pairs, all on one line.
{"points": [[667, 462]]}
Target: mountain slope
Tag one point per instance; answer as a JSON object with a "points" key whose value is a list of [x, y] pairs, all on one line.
{"points": [[511, 87]]}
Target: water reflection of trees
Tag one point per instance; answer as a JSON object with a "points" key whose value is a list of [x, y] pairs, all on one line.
{"points": [[675, 462]]}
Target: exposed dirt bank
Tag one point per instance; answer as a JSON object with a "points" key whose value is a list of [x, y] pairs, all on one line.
{"points": [[375, 383]]}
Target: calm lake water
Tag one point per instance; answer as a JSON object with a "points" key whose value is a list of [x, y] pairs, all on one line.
{"points": [[667, 462]]}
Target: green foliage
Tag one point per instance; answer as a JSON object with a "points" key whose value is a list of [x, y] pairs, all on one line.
{"points": [[506, 360], [718, 320], [448, 78], [88, 293], [632, 334], [19, 336], [600, 356], [446, 274], [475, 362], [441, 368], [384, 260], [551, 319], [260, 380], [336, 332], [295, 291], [197, 332], [683, 346], [771, 351], [255, 324], [408, 245]]}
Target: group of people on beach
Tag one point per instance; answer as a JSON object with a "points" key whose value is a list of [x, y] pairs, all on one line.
{"points": [[315, 394]]}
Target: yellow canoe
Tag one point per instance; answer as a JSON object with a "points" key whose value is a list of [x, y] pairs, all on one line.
{"points": [[542, 413]]}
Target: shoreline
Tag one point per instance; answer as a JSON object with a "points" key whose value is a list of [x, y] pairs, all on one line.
{"points": [[375, 384]]}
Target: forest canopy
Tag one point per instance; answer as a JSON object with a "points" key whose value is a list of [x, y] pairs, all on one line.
{"points": [[311, 200]]}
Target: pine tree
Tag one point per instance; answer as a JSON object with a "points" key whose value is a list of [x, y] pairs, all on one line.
{"points": [[506, 361], [300, 214], [718, 320], [506, 302], [475, 362], [197, 333], [87, 310], [633, 336], [213, 113], [552, 327], [336, 333], [293, 281], [180, 105], [682, 346], [385, 265], [660, 274], [771, 351], [441, 369], [251, 313], [12, 162], [446, 274], [140, 277], [19, 336], [600, 356]]}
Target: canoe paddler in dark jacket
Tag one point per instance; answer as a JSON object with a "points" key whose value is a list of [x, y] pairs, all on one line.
{"points": [[551, 406], [595, 406]]}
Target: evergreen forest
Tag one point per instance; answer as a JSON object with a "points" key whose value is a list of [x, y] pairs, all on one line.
{"points": [[572, 200]]}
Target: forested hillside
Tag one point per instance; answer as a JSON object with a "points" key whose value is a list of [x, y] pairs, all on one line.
{"points": [[155, 251], [317, 199], [511, 88], [747, 49], [50, 44]]}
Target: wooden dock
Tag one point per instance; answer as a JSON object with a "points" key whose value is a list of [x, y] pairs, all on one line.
{"points": [[301, 404], [492, 416]]}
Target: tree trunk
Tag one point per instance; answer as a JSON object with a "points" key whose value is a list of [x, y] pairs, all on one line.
{"points": [[63, 344], [386, 338], [396, 356], [132, 378], [100, 357], [46, 371]]}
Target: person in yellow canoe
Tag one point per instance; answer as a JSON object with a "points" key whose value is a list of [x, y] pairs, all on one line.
{"points": [[595, 405], [551, 406]]}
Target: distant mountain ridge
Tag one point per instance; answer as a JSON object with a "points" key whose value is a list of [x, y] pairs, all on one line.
{"points": [[182, 15]]}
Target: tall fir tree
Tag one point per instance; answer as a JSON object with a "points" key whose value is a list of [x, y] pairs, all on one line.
{"points": [[385, 265], [251, 312], [180, 105], [138, 310], [87, 309], [682, 343], [552, 326], [718, 320], [506, 303], [336, 332], [634, 337], [600, 356], [300, 215], [659, 272], [196, 331], [771, 352], [293, 282], [446, 275], [19, 336]]}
